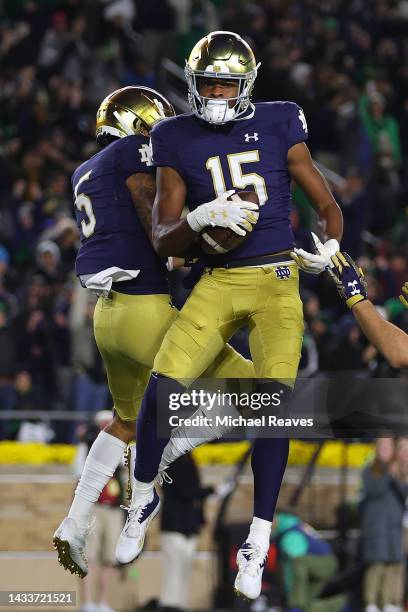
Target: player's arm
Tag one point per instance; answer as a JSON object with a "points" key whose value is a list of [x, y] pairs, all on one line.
{"points": [[391, 341], [174, 236], [312, 182], [142, 187], [171, 234]]}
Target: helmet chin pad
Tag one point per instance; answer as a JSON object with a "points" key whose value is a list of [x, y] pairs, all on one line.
{"points": [[218, 111]]}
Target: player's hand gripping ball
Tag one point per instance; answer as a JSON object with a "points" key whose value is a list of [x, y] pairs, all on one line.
{"points": [[219, 240]]}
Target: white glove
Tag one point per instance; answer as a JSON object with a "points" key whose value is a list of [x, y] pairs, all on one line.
{"points": [[235, 214], [314, 263]]}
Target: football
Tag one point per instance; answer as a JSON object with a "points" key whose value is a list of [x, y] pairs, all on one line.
{"points": [[219, 240]]}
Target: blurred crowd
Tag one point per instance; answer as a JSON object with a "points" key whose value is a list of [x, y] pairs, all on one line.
{"points": [[345, 63]]}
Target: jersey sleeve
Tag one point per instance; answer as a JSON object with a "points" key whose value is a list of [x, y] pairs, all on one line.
{"points": [[134, 155], [163, 154], [297, 126]]}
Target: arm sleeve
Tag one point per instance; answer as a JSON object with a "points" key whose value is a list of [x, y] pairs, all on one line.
{"points": [[163, 154], [297, 131], [134, 155]]}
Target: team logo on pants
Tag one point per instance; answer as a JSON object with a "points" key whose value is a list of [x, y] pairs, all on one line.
{"points": [[282, 272]]}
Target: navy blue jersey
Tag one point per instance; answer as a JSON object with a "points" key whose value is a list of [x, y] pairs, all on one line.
{"points": [[111, 232], [241, 155]]}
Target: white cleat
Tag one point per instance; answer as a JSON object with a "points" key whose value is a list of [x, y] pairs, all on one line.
{"points": [[251, 561], [131, 540], [70, 540]]}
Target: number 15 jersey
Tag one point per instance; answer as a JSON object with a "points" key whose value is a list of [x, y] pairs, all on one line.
{"points": [[245, 154]]}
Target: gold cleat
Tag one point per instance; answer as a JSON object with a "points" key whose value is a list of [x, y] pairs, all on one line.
{"points": [[64, 559], [69, 541]]}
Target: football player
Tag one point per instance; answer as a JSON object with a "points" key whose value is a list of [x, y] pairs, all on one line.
{"points": [[113, 194], [388, 339], [225, 143]]}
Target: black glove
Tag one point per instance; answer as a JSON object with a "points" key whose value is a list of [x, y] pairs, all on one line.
{"points": [[349, 279]]}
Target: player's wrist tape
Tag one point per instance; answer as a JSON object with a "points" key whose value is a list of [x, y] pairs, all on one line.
{"points": [[355, 299]]}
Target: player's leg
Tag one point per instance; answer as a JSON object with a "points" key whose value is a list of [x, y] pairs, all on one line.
{"points": [[194, 340], [230, 366], [276, 331], [128, 331]]}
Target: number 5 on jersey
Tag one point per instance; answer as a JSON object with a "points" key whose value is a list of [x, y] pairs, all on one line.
{"points": [[238, 178], [83, 202]]}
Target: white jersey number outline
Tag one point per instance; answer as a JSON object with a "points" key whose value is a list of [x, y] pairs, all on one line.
{"points": [[238, 178], [83, 202]]}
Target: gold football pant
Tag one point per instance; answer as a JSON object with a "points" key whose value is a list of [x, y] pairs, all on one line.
{"points": [[129, 330], [223, 301]]}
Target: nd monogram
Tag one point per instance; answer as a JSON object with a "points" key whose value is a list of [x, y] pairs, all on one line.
{"points": [[282, 272]]}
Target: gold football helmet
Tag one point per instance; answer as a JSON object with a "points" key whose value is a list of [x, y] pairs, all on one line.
{"points": [[221, 55], [131, 110]]}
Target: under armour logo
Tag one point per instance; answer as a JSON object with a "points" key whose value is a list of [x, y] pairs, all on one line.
{"points": [[253, 136], [146, 154], [302, 118], [282, 272], [354, 290]]}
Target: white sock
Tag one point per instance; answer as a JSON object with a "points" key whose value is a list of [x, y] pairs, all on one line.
{"points": [[260, 532], [186, 437], [142, 491], [103, 458]]}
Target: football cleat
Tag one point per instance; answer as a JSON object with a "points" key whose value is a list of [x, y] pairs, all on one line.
{"points": [[251, 560], [70, 540], [131, 540]]}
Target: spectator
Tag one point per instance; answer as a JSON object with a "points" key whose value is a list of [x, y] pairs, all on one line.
{"points": [[181, 521], [385, 489], [308, 563]]}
